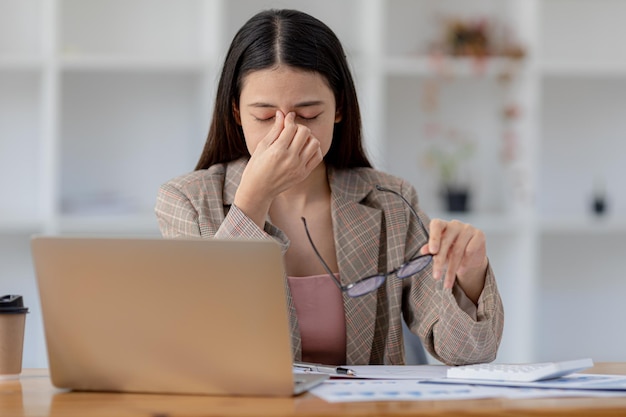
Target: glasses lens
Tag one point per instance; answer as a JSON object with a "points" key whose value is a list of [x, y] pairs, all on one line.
{"points": [[414, 266], [366, 285]]}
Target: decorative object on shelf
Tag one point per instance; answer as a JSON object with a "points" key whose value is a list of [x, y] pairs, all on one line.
{"points": [[448, 154], [467, 38], [513, 149], [478, 38], [446, 150], [457, 200], [473, 41], [599, 203]]}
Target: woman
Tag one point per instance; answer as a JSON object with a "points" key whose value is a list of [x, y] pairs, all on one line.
{"points": [[284, 160]]}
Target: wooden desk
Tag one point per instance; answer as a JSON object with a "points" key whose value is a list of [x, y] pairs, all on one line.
{"points": [[33, 395]]}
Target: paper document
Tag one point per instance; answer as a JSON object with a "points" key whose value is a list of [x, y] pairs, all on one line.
{"points": [[574, 381], [345, 390], [429, 382]]}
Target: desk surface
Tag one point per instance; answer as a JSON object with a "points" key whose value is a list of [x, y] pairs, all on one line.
{"points": [[33, 395]]}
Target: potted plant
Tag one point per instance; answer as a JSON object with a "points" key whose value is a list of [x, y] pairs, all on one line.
{"points": [[449, 158]]}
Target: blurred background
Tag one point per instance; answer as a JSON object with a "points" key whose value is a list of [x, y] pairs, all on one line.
{"points": [[508, 114]]}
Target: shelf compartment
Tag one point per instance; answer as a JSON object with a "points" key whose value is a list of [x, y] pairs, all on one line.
{"points": [[110, 28], [412, 133], [575, 33], [123, 135], [20, 29], [581, 296], [20, 156], [414, 26], [583, 119], [341, 16]]}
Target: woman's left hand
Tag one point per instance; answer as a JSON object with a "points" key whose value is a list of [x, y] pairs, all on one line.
{"points": [[458, 249]]}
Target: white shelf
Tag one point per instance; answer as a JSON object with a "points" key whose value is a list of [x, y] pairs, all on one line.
{"points": [[8, 63], [584, 225], [447, 66], [16, 225], [585, 70], [490, 223], [145, 28], [130, 64], [123, 224], [21, 28]]}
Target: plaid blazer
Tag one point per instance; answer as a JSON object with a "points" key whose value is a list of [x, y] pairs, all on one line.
{"points": [[374, 232]]}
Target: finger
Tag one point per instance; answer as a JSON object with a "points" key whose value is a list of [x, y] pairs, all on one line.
{"points": [[455, 257], [433, 246], [289, 130], [475, 252], [312, 154], [436, 229], [277, 128], [300, 139], [440, 258], [311, 145]]}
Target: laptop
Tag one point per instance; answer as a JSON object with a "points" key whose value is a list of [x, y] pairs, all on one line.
{"points": [[180, 316]]}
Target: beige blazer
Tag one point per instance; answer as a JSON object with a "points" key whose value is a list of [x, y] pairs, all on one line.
{"points": [[374, 232]]}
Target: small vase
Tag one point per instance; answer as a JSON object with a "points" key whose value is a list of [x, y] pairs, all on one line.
{"points": [[457, 200], [599, 205]]}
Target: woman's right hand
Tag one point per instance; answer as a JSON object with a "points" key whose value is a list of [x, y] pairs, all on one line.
{"points": [[283, 158]]}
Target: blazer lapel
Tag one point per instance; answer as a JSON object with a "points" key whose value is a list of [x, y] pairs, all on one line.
{"points": [[357, 231], [232, 178]]}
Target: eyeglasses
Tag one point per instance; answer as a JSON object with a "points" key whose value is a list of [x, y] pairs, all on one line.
{"points": [[371, 283]]}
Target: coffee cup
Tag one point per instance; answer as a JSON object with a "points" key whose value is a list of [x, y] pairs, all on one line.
{"points": [[12, 324]]}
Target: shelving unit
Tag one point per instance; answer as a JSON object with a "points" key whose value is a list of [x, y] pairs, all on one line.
{"points": [[101, 101], [582, 72]]}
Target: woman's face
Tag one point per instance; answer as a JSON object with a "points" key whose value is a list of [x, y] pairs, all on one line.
{"points": [[284, 88]]}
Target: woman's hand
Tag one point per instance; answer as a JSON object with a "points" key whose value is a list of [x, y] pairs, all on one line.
{"points": [[459, 250], [282, 159]]}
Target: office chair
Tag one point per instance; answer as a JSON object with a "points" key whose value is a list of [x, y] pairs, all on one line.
{"points": [[414, 351]]}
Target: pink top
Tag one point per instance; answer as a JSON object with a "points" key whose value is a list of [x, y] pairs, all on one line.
{"points": [[321, 318]]}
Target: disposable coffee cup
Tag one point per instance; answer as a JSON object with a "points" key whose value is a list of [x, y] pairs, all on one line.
{"points": [[12, 323]]}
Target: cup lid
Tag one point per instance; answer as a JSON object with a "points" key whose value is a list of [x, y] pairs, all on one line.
{"points": [[12, 304]]}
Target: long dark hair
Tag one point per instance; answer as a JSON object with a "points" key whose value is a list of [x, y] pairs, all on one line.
{"points": [[295, 39]]}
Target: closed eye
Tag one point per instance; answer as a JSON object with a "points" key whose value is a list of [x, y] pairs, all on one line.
{"points": [[267, 119]]}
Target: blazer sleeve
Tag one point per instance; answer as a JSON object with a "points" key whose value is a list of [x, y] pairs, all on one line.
{"points": [[176, 215], [449, 333], [185, 210]]}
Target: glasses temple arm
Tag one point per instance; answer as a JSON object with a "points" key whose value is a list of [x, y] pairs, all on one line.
{"points": [[381, 188], [319, 256]]}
